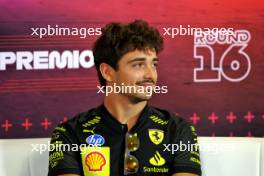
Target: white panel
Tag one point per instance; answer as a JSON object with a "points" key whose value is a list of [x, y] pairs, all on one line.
{"points": [[230, 156], [220, 156]]}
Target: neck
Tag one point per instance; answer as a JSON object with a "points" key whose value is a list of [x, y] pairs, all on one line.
{"points": [[122, 109]]}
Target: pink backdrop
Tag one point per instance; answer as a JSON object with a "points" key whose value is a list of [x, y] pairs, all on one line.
{"points": [[33, 102]]}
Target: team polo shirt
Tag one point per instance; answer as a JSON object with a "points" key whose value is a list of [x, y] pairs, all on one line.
{"points": [[97, 144]]}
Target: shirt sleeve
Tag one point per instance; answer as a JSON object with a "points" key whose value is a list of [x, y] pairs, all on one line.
{"points": [[64, 155], [187, 156]]}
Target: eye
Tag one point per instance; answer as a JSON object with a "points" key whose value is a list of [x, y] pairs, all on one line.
{"points": [[155, 64], [138, 65]]}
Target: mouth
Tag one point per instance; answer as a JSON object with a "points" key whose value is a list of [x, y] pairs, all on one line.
{"points": [[146, 83]]}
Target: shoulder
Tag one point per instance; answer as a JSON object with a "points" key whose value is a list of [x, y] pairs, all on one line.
{"points": [[169, 118], [167, 115], [77, 120]]}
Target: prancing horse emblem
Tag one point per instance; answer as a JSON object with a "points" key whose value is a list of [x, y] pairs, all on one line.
{"points": [[156, 136]]}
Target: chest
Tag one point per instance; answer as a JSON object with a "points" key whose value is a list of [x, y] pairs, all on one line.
{"points": [[150, 154]]}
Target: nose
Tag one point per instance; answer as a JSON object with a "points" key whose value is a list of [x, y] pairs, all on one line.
{"points": [[150, 73]]}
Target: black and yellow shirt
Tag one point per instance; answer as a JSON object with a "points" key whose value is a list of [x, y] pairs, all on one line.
{"points": [[93, 143]]}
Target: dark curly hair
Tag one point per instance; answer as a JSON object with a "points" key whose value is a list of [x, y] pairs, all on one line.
{"points": [[118, 39]]}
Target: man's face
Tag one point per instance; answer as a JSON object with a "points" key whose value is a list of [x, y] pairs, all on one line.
{"points": [[139, 70]]}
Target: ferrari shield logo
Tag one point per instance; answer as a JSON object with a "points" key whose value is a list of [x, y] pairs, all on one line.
{"points": [[156, 136]]}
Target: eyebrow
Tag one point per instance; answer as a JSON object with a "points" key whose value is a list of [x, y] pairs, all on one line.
{"points": [[141, 59]]}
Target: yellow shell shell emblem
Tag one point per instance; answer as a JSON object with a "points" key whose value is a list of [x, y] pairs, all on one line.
{"points": [[156, 136], [95, 161]]}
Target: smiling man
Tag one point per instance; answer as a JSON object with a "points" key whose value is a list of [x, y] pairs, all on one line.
{"points": [[125, 135]]}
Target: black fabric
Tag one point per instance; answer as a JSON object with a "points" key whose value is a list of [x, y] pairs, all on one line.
{"points": [[153, 157]]}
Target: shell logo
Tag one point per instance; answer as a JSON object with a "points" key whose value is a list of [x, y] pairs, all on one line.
{"points": [[95, 161]]}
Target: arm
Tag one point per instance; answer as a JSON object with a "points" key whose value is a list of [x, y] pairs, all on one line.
{"points": [[186, 162], [62, 159]]}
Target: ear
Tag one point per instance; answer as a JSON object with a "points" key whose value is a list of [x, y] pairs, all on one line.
{"points": [[107, 72]]}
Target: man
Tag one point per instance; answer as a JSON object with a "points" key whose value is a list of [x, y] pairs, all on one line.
{"points": [[124, 135]]}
